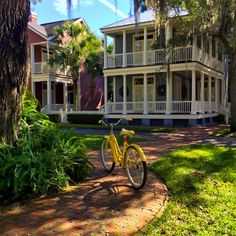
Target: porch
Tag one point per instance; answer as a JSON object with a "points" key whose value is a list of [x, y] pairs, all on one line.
{"points": [[182, 93]]}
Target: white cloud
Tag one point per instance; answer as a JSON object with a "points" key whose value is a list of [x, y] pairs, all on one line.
{"points": [[61, 7], [113, 8]]}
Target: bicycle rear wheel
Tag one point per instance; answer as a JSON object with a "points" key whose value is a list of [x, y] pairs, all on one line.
{"points": [[136, 169], [107, 156]]}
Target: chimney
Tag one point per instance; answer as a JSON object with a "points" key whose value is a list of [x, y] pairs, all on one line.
{"points": [[33, 18]]}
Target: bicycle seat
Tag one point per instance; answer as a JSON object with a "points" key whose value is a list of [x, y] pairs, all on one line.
{"points": [[127, 132]]}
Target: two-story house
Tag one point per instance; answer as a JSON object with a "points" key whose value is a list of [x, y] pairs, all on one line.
{"points": [[138, 81], [51, 86]]}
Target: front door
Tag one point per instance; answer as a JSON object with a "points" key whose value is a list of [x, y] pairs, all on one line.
{"points": [[138, 94]]}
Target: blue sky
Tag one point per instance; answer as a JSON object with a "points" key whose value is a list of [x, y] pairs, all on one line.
{"points": [[97, 13]]}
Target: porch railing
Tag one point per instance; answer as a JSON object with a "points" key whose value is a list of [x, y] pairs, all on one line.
{"points": [[160, 107], [42, 68], [155, 56], [114, 60], [134, 59], [181, 106]]}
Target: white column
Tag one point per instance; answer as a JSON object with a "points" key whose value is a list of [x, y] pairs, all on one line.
{"points": [[145, 102], [209, 93], [124, 95], [32, 59], [193, 106], [48, 55], [105, 51], [124, 48], [222, 91], [105, 95], [49, 95], [145, 47], [202, 93], [65, 96], [216, 94], [169, 93]]}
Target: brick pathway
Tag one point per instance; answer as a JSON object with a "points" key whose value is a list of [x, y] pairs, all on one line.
{"points": [[104, 204]]}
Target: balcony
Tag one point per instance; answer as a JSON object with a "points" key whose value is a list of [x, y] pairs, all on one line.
{"points": [[159, 56], [42, 68]]}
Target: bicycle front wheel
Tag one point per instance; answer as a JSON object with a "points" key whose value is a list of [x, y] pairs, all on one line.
{"points": [[107, 156], [136, 168]]}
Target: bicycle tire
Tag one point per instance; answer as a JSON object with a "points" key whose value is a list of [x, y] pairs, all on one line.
{"points": [[106, 157], [134, 169]]}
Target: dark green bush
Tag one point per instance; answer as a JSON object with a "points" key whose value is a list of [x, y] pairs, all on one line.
{"points": [[55, 118], [84, 118], [43, 160], [220, 118]]}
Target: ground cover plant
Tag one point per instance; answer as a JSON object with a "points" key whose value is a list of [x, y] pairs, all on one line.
{"points": [[44, 159], [202, 184]]}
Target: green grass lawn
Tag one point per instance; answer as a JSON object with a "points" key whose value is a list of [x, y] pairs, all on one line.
{"points": [[202, 184], [93, 141], [119, 127], [225, 133]]}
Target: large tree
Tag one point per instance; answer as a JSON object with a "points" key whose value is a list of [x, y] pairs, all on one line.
{"points": [[13, 64], [214, 17], [76, 46]]}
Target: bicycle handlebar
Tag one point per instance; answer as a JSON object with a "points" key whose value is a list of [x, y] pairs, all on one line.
{"points": [[114, 124]]}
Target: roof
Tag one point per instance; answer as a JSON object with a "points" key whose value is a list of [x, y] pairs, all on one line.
{"points": [[49, 26], [144, 17], [45, 30], [39, 29], [147, 16]]}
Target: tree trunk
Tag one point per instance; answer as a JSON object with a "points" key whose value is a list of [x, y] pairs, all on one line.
{"points": [[232, 82], [13, 64]]}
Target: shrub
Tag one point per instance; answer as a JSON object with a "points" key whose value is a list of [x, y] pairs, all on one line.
{"points": [[84, 118], [43, 160], [56, 118], [220, 118]]}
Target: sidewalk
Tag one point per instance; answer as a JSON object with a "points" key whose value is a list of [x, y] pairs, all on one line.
{"points": [[104, 204]]}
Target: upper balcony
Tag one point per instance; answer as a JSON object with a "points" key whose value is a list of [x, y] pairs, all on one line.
{"points": [[42, 68], [132, 49]]}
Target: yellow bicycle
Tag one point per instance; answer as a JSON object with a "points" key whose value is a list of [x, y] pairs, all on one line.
{"points": [[131, 157]]}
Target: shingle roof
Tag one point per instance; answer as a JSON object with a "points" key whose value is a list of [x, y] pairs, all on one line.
{"points": [[40, 29], [146, 16], [46, 29], [49, 26]]}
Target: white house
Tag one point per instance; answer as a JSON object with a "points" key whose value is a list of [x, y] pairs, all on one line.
{"points": [[136, 81]]}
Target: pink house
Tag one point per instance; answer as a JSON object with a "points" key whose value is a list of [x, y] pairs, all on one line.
{"points": [[52, 87]]}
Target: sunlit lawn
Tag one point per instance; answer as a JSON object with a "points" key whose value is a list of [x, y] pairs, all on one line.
{"points": [[93, 141], [202, 184], [119, 127], [225, 133]]}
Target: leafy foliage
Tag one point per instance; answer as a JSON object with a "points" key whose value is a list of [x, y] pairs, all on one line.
{"points": [[43, 160], [75, 46]]}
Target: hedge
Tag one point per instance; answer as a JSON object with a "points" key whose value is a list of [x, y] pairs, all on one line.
{"points": [[56, 118], [84, 118]]}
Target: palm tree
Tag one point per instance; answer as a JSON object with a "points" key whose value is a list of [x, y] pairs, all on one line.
{"points": [[76, 46]]}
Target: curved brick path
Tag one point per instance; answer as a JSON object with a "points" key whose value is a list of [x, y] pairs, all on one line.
{"points": [[105, 204]]}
